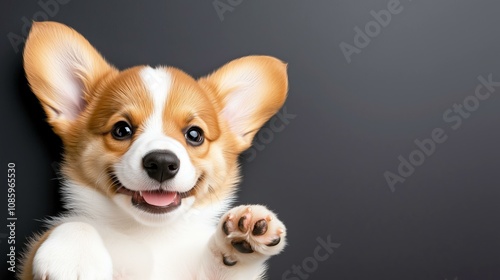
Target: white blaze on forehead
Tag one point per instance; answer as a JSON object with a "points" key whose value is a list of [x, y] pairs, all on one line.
{"points": [[158, 82]]}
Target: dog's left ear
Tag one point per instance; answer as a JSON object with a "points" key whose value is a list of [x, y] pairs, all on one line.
{"points": [[248, 92]]}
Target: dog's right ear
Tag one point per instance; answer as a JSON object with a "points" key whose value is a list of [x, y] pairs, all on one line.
{"points": [[62, 69]]}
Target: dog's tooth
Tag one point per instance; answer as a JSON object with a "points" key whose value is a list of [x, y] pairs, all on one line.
{"points": [[140, 193]]}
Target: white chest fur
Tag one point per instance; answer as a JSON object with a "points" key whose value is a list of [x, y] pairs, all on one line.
{"points": [[173, 250]]}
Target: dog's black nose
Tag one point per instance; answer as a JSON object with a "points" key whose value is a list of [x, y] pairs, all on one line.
{"points": [[161, 165]]}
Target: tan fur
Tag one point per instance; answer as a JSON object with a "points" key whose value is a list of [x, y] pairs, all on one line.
{"points": [[26, 268], [45, 43], [219, 85], [97, 149], [111, 96]]}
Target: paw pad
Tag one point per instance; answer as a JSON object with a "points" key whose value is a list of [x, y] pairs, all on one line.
{"points": [[242, 246], [251, 229]]}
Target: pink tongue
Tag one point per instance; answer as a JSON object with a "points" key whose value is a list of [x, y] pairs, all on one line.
{"points": [[159, 198]]}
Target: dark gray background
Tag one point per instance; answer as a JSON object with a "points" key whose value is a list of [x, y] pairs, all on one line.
{"points": [[323, 173]]}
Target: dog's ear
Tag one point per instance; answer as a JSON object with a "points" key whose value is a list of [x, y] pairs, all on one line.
{"points": [[62, 68], [248, 91]]}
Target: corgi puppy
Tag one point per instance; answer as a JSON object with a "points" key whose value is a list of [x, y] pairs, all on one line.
{"points": [[150, 165]]}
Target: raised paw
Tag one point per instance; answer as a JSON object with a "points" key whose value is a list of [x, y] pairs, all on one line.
{"points": [[250, 230]]}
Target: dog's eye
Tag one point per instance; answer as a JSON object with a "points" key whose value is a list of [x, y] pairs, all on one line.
{"points": [[194, 136], [121, 131]]}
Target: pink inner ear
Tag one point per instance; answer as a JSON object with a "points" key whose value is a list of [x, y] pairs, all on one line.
{"points": [[69, 95], [239, 110]]}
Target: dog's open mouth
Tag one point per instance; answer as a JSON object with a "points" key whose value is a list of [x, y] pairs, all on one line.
{"points": [[156, 202]]}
